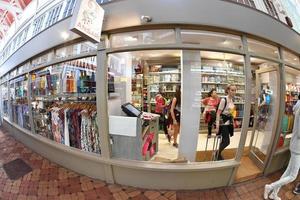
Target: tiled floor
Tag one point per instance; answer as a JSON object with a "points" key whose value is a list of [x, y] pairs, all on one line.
{"points": [[50, 181]]}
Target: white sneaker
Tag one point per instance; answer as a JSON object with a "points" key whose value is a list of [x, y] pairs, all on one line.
{"points": [[267, 191], [274, 196]]}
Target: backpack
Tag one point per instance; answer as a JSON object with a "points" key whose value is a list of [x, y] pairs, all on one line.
{"points": [[268, 99]]}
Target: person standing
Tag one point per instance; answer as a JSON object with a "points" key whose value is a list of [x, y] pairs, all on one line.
{"points": [[291, 172], [175, 114], [209, 114], [224, 119], [160, 104]]}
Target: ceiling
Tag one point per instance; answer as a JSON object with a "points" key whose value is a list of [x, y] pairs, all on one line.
{"points": [[10, 11]]}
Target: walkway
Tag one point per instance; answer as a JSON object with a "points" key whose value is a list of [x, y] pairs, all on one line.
{"points": [[48, 180]]}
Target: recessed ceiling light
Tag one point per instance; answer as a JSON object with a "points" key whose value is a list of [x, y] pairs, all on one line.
{"points": [[65, 35]]}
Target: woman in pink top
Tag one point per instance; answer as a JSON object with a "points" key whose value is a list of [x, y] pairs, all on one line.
{"points": [[160, 104], [209, 114]]}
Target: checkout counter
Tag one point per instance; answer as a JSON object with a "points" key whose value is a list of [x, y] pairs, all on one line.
{"points": [[134, 137]]}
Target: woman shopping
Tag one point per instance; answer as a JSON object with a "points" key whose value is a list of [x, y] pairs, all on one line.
{"points": [[291, 172], [209, 114], [159, 109], [175, 114], [224, 119]]}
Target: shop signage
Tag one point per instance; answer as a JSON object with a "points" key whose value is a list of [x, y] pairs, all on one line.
{"points": [[87, 20]]}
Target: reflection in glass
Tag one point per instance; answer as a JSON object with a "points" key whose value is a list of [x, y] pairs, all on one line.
{"points": [[212, 39], [165, 36], [291, 58], [217, 71], [263, 49]]}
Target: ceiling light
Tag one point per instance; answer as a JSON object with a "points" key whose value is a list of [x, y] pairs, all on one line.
{"points": [[65, 35]]}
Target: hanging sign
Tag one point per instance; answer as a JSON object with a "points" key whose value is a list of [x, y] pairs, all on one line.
{"points": [[87, 20]]}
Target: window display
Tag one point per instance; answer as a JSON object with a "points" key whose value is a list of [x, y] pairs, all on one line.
{"points": [[218, 70], [4, 94], [292, 90], [64, 103]]}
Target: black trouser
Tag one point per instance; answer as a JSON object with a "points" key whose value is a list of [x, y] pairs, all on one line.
{"points": [[163, 123], [211, 121], [224, 131]]}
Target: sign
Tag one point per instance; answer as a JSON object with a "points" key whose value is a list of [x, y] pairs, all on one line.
{"points": [[87, 20]]}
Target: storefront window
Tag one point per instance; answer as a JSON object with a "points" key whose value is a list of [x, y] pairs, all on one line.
{"points": [[218, 71], [266, 82], [4, 93], [20, 105], [148, 80], [291, 58], [165, 36], [64, 103], [213, 39], [47, 57], [75, 49], [292, 88], [262, 49]]}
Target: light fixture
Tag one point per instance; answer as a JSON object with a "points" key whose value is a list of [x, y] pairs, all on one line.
{"points": [[65, 35]]}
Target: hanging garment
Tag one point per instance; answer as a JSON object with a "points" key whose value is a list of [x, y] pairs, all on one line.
{"points": [[86, 142], [95, 134]]}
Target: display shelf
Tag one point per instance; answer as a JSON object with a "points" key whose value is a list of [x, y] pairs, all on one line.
{"points": [[214, 83], [162, 73]]}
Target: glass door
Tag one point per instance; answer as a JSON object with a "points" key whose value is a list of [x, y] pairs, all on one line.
{"points": [[265, 114]]}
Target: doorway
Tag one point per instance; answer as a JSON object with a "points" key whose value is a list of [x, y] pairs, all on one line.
{"points": [[263, 119]]}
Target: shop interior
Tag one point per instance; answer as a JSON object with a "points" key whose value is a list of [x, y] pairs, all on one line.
{"points": [[140, 75]]}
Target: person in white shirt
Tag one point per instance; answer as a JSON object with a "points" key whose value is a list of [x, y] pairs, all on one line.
{"points": [[291, 172], [224, 119]]}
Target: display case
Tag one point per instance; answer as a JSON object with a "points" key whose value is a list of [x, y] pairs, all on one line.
{"points": [[64, 103]]}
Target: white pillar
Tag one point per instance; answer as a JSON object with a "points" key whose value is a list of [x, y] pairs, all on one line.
{"points": [[190, 104]]}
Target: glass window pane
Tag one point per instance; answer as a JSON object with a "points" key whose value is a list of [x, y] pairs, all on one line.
{"points": [[292, 87], [4, 93], [262, 49], [218, 70], [291, 58], [148, 80], [66, 92], [166, 36], [75, 49], [211, 39]]}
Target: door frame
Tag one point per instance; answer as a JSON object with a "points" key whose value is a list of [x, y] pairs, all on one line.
{"points": [[262, 164]]}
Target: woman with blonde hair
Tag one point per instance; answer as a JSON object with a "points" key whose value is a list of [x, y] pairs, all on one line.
{"points": [[224, 119]]}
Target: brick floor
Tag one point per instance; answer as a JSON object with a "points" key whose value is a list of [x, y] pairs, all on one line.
{"points": [[51, 181]]}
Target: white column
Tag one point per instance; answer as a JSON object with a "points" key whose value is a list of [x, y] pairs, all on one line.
{"points": [[190, 104]]}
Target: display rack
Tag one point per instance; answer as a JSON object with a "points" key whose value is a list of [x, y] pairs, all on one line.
{"points": [[167, 81], [63, 98], [216, 74]]}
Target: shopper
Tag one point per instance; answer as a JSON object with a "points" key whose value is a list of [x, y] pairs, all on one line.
{"points": [[175, 114], [291, 171], [224, 119], [160, 104], [209, 113]]}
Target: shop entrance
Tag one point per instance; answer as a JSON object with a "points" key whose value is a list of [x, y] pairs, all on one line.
{"points": [[263, 118]]}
